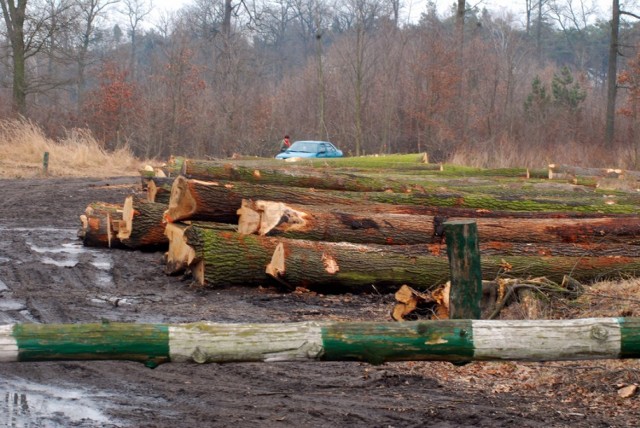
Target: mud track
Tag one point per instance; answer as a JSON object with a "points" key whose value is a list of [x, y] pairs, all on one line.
{"points": [[46, 276]]}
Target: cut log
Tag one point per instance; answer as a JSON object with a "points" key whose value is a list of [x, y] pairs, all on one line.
{"points": [[496, 248], [363, 225], [99, 230], [558, 171], [219, 202], [290, 176], [143, 225], [333, 224], [180, 255], [159, 189], [226, 258]]}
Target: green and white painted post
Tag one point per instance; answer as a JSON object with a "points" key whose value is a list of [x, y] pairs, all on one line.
{"points": [[376, 343], [464, 264]]}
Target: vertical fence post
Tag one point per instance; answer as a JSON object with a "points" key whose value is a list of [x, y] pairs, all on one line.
{"points": [[45, 163], [464, 264]]}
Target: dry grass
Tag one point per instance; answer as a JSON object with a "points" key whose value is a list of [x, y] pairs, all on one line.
{"points": [[23, 144]]}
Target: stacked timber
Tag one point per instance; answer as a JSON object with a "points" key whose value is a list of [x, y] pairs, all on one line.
{"points": [[349, 229], [352, 231]]}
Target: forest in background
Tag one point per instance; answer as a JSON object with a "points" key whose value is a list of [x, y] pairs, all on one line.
{"points": [[233, 76]]}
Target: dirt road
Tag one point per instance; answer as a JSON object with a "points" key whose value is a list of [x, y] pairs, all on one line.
{"points": [[46, 276]]}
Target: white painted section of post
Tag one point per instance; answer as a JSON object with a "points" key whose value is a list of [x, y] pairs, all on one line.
{"points": [[546, 340], [8, 345], [206, 342]]}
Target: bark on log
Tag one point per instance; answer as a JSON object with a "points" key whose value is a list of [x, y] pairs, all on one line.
{"points": [[143, 225], [180, 255], [333, 224], [218, 202], [558, 171], [362, 225], [373, 342], [159, 189], [289, 176], [537, 249], [225, 258]]}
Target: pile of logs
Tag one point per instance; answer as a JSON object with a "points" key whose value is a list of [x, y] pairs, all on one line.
{"points": [[345, 230]]}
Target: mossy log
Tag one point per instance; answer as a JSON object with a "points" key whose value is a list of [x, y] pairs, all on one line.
{"points": [[179, 255], [289, 176], [227, 258], [219, 202], [142, 225], [159, 189]]}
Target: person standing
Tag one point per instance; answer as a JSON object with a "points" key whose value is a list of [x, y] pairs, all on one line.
{"points": [[285, 143]]}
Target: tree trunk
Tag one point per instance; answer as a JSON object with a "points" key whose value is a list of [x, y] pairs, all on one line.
{"points": [[612, 74], [14, 17], [373, 342], [142, 225]]}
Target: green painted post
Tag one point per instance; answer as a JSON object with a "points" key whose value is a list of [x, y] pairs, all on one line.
{"points": [[45, 163], [464, 264]]}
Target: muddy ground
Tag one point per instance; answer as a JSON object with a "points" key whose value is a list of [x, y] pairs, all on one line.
{"points": [[46, 276]]}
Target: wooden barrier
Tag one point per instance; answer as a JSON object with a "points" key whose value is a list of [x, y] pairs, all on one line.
{"points": [[376, 343]]}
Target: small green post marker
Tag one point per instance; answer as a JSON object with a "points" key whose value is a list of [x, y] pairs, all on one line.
{"points": [[45, 163]]}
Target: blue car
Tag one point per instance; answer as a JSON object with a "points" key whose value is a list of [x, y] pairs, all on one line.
{"points": [[310, 149]]}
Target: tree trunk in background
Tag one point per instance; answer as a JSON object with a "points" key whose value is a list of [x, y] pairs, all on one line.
{"points": [[612, 74], [14, 18]]}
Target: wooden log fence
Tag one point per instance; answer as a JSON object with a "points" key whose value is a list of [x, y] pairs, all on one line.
{"points": [[373, 342]]}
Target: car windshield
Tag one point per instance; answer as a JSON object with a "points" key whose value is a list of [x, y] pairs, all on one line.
{"points": [[304, 146]]}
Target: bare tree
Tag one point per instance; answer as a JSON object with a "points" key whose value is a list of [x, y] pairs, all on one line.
{"points": [[360, 17], [135, 11], [89, 13], [29, 30]]}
